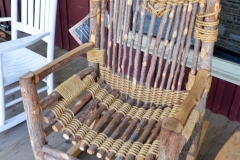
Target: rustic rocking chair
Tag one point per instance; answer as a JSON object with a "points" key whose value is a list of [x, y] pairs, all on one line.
{"points": [[135, 101]]}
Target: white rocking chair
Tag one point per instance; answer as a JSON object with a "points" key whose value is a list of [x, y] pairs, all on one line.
{"points": [[38, 19]]}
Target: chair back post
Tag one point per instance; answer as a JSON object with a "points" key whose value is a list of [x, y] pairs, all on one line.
{"points": [[95, 14], [208, 47], [14, 11], [33, 113]]}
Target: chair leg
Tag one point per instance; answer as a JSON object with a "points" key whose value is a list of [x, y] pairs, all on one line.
{"points": [[50, 84], [33, 114], [2, 97]]}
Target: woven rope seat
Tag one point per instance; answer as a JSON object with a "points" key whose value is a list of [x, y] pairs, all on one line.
{"points": [[143, 95]]}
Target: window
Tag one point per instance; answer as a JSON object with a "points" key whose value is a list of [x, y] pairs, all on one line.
{"points": [[226, 61]]}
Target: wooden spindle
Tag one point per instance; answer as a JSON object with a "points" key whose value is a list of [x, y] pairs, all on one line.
{"points": [[166, 39], [156, 48], [197, 43], [179, 34], [126, 30], [133, 37], [174, 35], [114, 47], [186, 33], [121, 23], [95, 15], [140, 37], [187, 47], [109, 44]]}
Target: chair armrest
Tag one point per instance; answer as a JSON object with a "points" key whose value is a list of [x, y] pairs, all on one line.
{"points": [[61, 61], [179, 118], [21, 42], [5, 19]]}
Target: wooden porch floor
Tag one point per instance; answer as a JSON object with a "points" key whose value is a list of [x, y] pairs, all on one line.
{"points": [[15, 143]]}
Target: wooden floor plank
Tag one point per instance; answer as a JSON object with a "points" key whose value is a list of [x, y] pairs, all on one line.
{"points": [[231, 128], [217, 124]]}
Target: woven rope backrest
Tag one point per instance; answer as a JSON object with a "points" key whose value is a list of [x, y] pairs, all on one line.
{"points": [[168, 41]]}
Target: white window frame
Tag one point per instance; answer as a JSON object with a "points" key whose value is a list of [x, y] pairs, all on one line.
{"points": [[221, 68]]}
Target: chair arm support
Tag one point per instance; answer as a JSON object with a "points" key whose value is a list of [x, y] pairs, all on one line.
{"points": [[21, 42], [179, 118], [61, 61]]}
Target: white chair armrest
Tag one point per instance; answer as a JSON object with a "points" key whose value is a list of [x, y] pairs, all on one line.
{"points": [[21, 42], [4, 19]]}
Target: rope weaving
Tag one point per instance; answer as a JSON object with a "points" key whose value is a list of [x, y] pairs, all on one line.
{"points": [[205, 34], [73, 127], [124, 149], [192, 120], [144, 150], [69, 90], [96, 56], [98, 141], [91, 134], [101, 94], [93, 89], [139, 113], [116, 105], [116, 146], [135, 148], [191, 79], [153, 95], [65, 118], [108, 100], [107, 144], [154, 149], [82, 131], [124, 109]]}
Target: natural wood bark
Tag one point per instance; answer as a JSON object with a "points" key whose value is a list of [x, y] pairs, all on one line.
{"points": [[94, 116], [136, 133], [125, 135], [126, 31], [56, 64], [208, 47], [102, 29], [107, 129], [95, 15], [109, 44], [57, 153], [48, 130], [33, 113], [114, 47], [169, 145]]}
